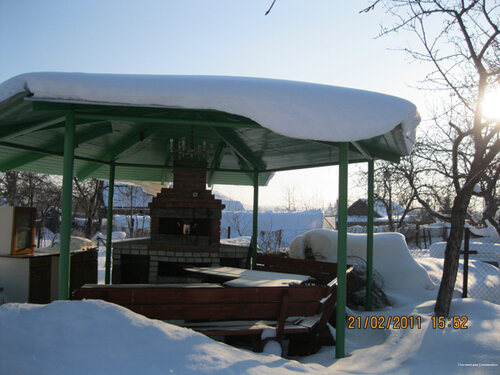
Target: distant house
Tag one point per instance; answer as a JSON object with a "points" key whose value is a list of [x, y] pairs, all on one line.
{"points": [[358, 211]]}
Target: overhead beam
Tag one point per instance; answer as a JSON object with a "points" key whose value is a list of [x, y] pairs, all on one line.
{"points": [[216, 162], [362, 150], [369, 152], [165, 164], [13, 106], [244, 165], [146, 114], [167, 121], [57, 146], [383, 154], [15, 130], [121, 146], [240, 148]]}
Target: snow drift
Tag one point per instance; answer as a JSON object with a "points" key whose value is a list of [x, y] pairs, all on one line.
{"points": [[96, 337], [391, 257]]}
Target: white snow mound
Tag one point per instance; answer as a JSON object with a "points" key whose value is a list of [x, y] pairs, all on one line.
{"points": [[96, 337], [391, 257]]}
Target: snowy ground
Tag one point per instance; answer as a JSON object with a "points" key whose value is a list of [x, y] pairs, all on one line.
{"points": [[94, 337]]}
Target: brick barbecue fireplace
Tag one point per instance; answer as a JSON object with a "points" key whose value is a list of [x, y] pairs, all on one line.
{"points": [[187, 217], [185, 231]]}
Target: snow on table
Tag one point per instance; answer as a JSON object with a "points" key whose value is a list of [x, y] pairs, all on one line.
{"points": [[242, 277]]}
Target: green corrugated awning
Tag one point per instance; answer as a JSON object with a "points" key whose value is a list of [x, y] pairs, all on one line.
{"points": [[138, 140]]}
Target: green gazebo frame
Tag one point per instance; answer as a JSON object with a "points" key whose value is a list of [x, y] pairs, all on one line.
{"points": [[135, 142]]}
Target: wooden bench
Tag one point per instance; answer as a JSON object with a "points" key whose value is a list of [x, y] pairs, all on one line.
{"points": [[322, 272], [300, 313]]}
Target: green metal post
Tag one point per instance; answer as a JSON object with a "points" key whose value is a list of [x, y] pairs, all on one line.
{"points": [[109, 223], [67, 195], [342, 250], [369, 235], [255, 216]]}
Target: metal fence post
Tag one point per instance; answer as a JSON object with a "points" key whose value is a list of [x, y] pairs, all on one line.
{"points": [[466, 263]]}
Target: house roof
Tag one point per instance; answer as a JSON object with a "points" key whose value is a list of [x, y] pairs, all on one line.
{"points": [[243, 124]]}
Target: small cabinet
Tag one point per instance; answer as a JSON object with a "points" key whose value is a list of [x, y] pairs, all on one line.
{"points": [[35, 278], [40, 279], [17, 230]]}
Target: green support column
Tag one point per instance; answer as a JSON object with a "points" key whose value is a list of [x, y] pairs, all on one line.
{"points": [[109, 223], [67, 195], [369, 236], [342, 250], [255, 216]]}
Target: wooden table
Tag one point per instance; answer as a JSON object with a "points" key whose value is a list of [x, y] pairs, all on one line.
{"points": [[241, 277]]}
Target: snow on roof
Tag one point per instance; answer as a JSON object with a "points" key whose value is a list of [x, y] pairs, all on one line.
{"points": [[381, 209], [293, 109]]}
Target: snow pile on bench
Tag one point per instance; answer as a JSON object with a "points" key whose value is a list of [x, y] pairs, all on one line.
{"points": [[391, 257]]}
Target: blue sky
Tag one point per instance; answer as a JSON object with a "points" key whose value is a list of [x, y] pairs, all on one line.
{"points": [[320, 41]]}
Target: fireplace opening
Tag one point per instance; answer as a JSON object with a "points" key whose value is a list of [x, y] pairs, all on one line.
{"points": [[189, 227], [134, 269]]}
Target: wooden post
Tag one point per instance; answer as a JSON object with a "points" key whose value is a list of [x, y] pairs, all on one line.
{"points": [[67, 195]]}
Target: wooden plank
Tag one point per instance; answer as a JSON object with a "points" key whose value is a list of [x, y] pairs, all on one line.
{"points": [[284, 311], [299, 264], [243, 330], [321, 271], [223, 311], [134, 295]]}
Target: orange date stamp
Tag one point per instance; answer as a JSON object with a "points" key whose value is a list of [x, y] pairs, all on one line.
{"points": [[384, 322], [405, 322]]}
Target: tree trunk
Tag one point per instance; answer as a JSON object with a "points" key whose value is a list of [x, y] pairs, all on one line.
{"points": [[11, 178], [452, 253]]}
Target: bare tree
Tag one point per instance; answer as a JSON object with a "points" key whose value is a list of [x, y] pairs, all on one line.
{"points": [[240, 221], [460, 40], [8, 187], [88, 199], [487, 189], [391, 187], [289, 195], [28, 189], [133, 200]]}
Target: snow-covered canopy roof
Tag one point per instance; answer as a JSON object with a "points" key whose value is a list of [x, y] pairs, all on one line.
{"points": [[246, 124]]}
